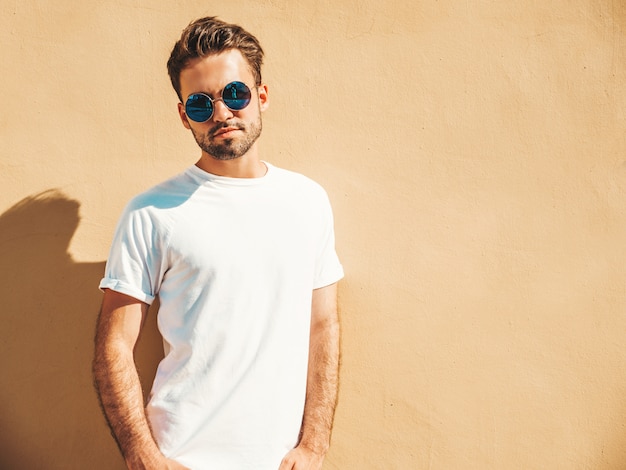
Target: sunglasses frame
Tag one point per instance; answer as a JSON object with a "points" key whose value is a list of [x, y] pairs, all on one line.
{"points": [[221, 98]]}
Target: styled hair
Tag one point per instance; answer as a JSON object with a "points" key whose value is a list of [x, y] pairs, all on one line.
{"points": [[207, 36]]}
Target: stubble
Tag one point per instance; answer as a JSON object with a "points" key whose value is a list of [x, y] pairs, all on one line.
{"points": [[229, 148]]}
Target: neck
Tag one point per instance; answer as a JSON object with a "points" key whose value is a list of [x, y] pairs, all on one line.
{"points": [[242, 167]]}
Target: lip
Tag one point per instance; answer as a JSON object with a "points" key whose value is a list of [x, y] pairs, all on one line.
{"points": [[225, 131]]}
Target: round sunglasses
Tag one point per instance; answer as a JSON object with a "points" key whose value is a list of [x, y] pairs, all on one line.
{"points": [[200, 106]]}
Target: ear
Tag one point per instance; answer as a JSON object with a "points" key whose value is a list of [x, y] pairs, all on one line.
{"points": [[183, 116], [264, 99]]}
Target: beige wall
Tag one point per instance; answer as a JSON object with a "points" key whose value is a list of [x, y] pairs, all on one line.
{"points": [[475, 155]]}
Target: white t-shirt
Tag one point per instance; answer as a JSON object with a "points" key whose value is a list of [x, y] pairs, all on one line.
{"points": [[234, 262]]}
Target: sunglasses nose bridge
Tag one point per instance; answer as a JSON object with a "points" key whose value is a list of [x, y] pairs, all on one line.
{"points": [[221, 112]]}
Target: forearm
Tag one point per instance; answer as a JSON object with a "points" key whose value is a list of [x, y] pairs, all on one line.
{"points": [[322, 386], [121, 397]]}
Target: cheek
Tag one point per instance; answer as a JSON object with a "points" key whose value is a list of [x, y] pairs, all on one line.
{"points": [[200, 130], [251, 113]]}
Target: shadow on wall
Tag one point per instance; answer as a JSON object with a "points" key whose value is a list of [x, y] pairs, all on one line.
{"points": [[49, 413]]}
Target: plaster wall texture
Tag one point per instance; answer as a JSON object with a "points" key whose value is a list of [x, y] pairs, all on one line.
{"points": [[474, 155]]}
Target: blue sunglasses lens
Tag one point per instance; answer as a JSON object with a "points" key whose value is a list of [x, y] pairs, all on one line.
{"points": [[199, 107], [235, 95]]}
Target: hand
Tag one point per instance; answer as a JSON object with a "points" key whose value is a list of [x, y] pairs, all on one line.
{"points": [[301, 458]]}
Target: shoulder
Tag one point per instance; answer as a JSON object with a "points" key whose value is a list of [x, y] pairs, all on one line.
{"points": [[299, 183], [157, 208], [168, 194]]}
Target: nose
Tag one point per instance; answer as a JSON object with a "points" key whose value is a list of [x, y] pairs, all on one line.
{"points": [[221, 112]]}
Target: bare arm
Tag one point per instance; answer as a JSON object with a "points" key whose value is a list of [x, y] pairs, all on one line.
{"points": [[117, 381], [322, 384]]}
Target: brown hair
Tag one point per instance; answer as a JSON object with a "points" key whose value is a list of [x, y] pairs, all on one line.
{"points": [[207, 36]]}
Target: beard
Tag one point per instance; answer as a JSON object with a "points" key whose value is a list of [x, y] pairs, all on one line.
{"points": [[230, 148]]}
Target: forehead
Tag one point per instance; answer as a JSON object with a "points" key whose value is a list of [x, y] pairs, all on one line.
{"points": [[210, 74]]}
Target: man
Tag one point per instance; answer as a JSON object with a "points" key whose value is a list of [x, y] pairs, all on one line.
{"points": [[241, 255]]}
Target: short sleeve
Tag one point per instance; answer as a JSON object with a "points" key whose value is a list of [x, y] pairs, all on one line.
{"points": [[328, 268], [136, 263]]}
